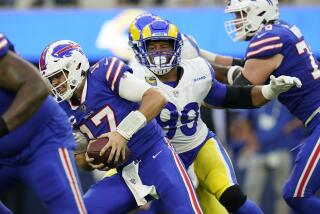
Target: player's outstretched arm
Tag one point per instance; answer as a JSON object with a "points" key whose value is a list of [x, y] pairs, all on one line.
{"points": [[221, 64], [222, 95], [22, 78], [263, 94], [216, 59]]}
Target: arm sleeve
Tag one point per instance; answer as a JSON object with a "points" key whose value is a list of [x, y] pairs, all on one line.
{"points": [[238, 97], [217, 94], [132, 88], [222, 95]]}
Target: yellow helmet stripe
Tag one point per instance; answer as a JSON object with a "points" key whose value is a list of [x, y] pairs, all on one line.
{"points": [[134, 32], [146, 32], [173, 31]]}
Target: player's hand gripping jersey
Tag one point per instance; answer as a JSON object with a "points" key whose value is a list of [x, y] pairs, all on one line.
{"points": [[287, 40]]}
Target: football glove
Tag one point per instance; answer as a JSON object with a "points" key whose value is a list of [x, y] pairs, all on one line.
{"points": [[279, 85]]}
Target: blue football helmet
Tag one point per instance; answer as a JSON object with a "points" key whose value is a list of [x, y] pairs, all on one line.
{"points": [[160, 62], [135, 29]]}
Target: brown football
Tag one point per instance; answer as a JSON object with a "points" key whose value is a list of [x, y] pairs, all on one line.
{"points": [[94, 149]]}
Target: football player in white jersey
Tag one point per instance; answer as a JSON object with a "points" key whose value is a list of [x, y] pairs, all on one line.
{"points": [[188, 84], [189, 50]]}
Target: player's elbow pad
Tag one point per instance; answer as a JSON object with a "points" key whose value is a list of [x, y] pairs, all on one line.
{"points": [[241, 80], [238, 97]]}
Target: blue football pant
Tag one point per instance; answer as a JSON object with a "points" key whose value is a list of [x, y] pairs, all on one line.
{"points": [[159, 166], [299, 190], [51, 174]]}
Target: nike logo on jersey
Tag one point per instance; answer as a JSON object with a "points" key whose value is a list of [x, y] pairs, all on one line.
{"points": [[154, 156], [261, 35]]}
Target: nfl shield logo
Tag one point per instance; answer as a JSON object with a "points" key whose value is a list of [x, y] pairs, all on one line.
{"points": [[151, 80]]}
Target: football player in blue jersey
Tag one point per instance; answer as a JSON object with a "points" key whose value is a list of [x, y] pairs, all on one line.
{"points": [[103, 101], [36, 140], [278, 48], [188, 84]]}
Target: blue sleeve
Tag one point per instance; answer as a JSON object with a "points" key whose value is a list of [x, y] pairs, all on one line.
{"points": [[217, 93], [111, 70], [5, 46], [267, 43]]}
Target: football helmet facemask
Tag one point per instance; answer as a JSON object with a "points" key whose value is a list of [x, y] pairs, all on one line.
{"points": [[65, 58], [250, 17], [160, 62]]}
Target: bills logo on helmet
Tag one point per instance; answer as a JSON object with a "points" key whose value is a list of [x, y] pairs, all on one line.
{"points": [[65, 50], [42, 63]]}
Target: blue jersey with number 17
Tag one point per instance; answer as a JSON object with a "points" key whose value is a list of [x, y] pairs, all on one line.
{"points": [[298, 61], [101, 109]]}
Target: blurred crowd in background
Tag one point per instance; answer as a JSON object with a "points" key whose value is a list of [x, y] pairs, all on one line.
{"points": [[126, 3]]}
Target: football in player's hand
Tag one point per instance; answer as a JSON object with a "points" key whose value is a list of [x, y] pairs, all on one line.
{"points": [[94, 149]]}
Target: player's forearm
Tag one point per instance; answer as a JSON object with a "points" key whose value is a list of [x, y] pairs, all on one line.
{"points": [[215, 59], [220, 60], [244, 97], [224, 60], [21, 78], [257, 96], [240, 97], [221, 73], [152, 103]]}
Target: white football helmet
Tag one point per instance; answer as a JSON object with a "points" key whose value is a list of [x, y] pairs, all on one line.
{"points": [[68, 58], [251, 16]]}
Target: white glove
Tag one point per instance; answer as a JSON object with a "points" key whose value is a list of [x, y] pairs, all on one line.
{"points": [[279, 85], [81, 141]]}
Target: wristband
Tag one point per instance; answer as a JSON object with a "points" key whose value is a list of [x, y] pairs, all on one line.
{"points": [[134, 121], [267, 92], [3, 127], [239, 62]]}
